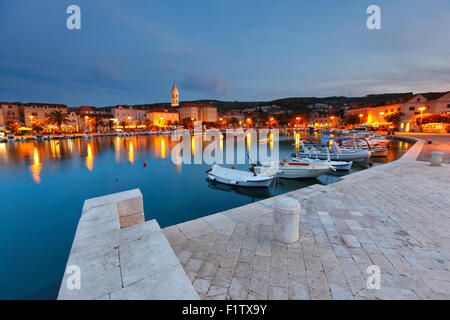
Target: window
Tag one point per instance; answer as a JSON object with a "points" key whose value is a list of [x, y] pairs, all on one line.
{"points": [[418, 99], [398, 109], [416, 112], [412, 108], [392, 110], [448, 106]]}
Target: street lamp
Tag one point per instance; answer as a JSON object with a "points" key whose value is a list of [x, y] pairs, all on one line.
{"points": [[421, 109], [360, 117]]}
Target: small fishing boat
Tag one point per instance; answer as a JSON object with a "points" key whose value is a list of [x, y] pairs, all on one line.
{"points": [[293, 170], [238, 177], [338, 165]]}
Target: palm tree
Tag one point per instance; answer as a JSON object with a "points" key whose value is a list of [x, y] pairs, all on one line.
{"points": [[58, 118], [97, 122]]}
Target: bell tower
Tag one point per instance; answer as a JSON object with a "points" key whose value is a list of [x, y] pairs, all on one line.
{"points": [[174, 96]]}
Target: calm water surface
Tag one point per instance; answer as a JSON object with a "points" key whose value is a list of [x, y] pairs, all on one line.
{"points": [[44, 185]]}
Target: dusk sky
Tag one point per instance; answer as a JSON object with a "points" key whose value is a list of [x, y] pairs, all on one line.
{"points": [[130, 52]]}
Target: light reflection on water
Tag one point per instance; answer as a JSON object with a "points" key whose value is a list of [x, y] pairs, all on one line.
{"points": [[47, 182]]}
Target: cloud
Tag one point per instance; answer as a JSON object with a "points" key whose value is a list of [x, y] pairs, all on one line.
{"points": [[212, 85], [105, 69]]}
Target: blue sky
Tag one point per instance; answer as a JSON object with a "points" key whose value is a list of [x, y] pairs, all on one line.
{"points": [[130, 52]]}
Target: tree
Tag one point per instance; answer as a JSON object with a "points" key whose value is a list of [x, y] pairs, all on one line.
{"points": [[110, 124], [187, 122], [37, 126], [394, 118], [58, 118], [12, 126], [352, 119], [96, 123], [123, 124], [147, 123]]}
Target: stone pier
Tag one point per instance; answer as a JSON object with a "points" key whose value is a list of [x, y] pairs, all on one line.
{"points": [[119, 256]]}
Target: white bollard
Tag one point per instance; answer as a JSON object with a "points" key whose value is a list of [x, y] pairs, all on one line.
{"points": [[436, 158], [286, 220]]}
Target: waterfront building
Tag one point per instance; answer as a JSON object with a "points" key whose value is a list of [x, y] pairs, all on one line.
{"points": [[411, 107], [87, 113], [329, 121], [162, 117], [174, 97], [38, 112], [201, 112], [189, 111], [76, 122], [11, 111], [128, 114], [440, 103], [207, 113]]}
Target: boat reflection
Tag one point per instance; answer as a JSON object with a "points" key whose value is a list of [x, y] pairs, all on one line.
{"points": [[253, 193]]}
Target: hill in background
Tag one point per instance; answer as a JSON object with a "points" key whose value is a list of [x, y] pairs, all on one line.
{"points": [[295, 103]]}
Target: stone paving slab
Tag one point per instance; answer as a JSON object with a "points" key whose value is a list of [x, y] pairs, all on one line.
{"points": [[396, 216]]}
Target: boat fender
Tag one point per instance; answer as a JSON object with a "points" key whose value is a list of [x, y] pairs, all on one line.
{"points": [[145, 164], [233, 167]]}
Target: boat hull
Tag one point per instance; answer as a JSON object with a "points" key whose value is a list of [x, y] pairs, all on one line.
{"points": [[253, 184], [293, 172], [335, 157]]}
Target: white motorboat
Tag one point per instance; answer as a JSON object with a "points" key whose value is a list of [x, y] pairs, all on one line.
{"points": [[338, 165], [293, 170], [376, 149], [239, 177], [336, 154]]}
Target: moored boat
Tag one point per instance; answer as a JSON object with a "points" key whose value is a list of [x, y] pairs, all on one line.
{"points": [[293, 170], [322, 152], [338, 165], [239, 177]]}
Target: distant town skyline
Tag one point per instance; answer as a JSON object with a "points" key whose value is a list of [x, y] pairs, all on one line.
{"points": [[132, 53]]}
